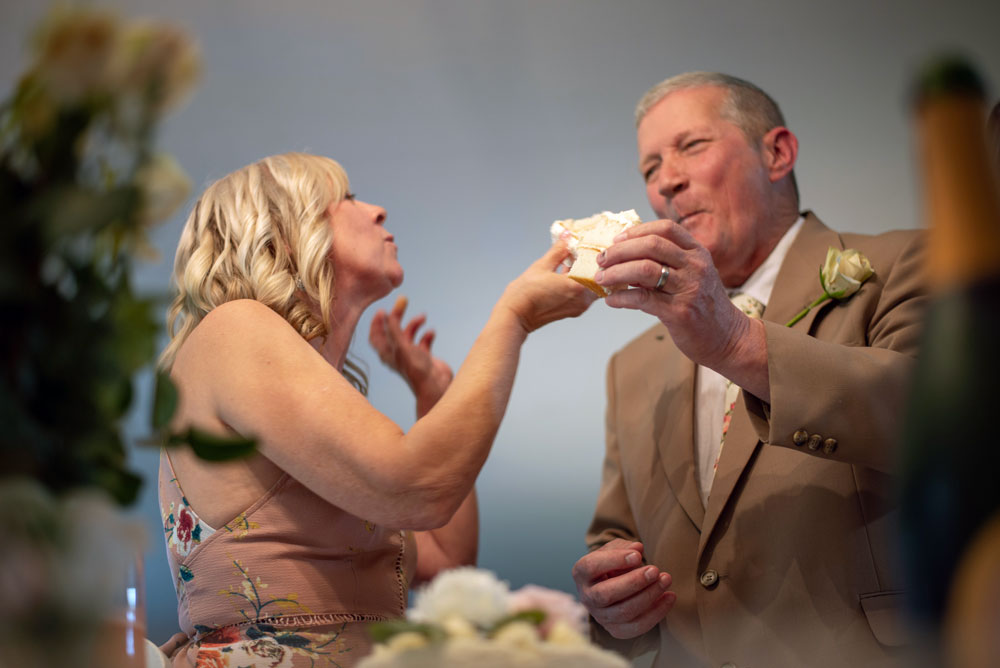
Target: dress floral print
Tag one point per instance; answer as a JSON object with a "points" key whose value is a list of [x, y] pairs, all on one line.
{"points": [[266, 645], [183, 529], [251, 598], [246, 603]]}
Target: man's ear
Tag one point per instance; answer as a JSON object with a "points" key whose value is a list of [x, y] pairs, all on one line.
{"points": [[780, 148]]}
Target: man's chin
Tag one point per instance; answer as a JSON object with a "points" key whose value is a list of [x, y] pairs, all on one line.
{"points": [[697, 227]]}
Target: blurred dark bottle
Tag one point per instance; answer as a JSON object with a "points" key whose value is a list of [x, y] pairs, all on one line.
{"points": [[950, 456]]}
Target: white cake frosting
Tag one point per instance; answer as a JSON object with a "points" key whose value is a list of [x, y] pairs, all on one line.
{"points": [[598, 230], [586, 237]]}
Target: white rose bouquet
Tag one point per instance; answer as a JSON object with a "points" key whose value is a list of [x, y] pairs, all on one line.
{"points": [[470, 602]]}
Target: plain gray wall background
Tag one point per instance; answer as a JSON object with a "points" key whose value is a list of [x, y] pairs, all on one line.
{"points": [[476, 124]]}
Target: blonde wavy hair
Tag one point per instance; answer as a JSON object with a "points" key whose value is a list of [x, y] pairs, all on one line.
{"points": [[262, 233]]}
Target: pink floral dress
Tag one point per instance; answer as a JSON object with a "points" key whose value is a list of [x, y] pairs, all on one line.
{"points": [[291, 582]]}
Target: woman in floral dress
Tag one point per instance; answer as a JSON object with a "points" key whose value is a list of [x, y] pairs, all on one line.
{"points": [[282, 558]]}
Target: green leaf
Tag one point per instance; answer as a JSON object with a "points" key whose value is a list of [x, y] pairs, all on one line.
{"points": [[165, 399], [382, 631], [121, 484], [113, 396], [214, 448]]}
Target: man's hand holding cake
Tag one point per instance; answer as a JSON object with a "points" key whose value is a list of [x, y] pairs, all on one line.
{"points": [[586, 238], [619, 257]]}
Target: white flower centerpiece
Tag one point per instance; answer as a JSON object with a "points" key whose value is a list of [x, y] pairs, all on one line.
{"points": [[467, 616]]}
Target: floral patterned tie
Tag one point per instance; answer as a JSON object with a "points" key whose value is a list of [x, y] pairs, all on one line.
{"points": [[754, 309]]}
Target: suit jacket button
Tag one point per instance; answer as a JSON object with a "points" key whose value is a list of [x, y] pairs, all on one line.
{"points": [[800, 437], [829, 446], [709, 579], [814, 441]]}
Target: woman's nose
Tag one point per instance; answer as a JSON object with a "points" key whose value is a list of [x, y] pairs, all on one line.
{"points": [[378, 213]]}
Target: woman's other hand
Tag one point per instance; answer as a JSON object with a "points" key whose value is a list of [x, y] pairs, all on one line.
{"points": [[399, 349], [543, 294]]}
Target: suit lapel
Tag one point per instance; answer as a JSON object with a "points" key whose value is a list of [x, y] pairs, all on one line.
{"points": [[671, 390], [797, 283], [741, 444], [796, 286]]}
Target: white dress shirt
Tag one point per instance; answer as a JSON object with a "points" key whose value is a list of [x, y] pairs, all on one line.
{"points": [[710, 387]]}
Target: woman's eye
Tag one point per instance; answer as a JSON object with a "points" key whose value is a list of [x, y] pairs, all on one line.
{"points": [[694, 142], [350, 196]]}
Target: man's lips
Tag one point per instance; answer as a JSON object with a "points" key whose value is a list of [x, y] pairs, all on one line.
{"points": [[681, 220]]}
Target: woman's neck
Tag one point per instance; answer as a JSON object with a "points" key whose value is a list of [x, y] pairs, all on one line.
{"points": [[344, 317]]}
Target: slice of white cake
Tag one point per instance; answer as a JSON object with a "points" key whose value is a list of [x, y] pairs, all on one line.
{"points": [[586, 238]]}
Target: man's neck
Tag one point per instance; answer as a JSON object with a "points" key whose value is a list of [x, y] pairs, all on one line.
{"points": [[768, 237]]}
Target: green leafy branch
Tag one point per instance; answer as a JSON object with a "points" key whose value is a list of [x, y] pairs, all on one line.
{"points": [[80, 186]]}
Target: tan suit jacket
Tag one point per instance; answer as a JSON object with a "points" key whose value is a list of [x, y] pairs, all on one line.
{"points": [[791, 563]]}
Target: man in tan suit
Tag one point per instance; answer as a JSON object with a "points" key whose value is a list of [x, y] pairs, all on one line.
{"points": [[770, 544]]}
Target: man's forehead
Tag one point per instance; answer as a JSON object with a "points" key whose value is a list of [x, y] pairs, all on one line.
{"points": [[701, 102], [684, 112]]}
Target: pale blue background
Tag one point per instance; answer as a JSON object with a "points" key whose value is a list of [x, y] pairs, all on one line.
{"points": [[476, 124]]}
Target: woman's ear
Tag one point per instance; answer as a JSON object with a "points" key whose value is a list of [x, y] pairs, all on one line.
{"points": [[780, 148]]}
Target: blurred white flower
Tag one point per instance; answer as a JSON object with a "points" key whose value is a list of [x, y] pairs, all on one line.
{"points": [[518, 634], [471, 617], [164, 187], [74, 48], [82, 53], [563, 633], [69, 554], [406, 641], [158, 62], [469, 593], [457, 627]]}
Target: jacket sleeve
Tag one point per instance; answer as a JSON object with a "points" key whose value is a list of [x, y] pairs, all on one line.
{"points": [[839, 391]]}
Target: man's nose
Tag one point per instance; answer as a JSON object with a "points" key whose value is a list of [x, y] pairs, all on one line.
{"points": [[670, 181]]}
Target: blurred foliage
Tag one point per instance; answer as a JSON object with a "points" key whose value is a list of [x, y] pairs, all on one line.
{"points": [[80, 186]]}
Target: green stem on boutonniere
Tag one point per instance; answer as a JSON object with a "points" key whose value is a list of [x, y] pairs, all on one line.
{"points": [[801, 314]]}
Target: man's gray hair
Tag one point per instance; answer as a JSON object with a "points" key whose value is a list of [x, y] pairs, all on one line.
{"points": [[746, 105]]}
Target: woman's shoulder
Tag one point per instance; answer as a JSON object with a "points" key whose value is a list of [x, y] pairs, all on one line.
{"points": [[241, 324], [241, 315]]}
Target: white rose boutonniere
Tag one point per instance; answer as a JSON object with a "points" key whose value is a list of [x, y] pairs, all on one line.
{"points": [[840, 277]]}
